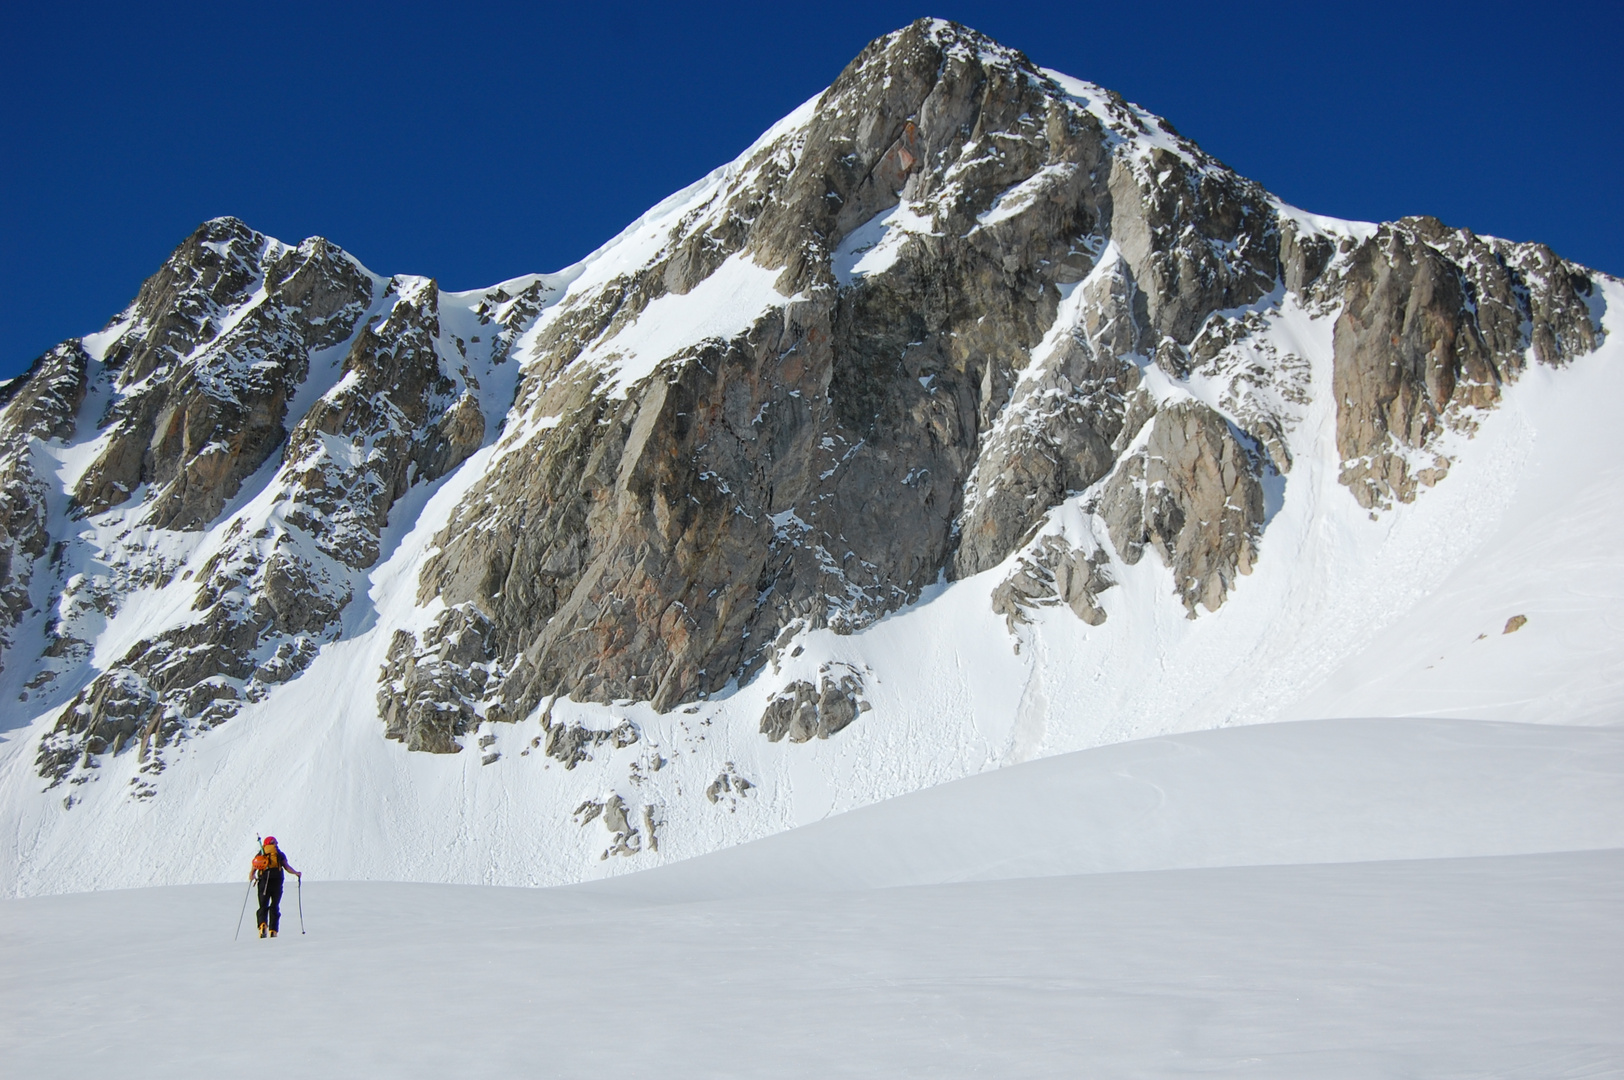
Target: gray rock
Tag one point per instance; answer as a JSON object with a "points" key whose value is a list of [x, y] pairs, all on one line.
{"points": [[430, 695], [1193, 495], [207, 398], [626, 839], [815, 467], [728, 785], [614, 814], [803, 711], [1435, 321], [404, 419], [41, 404], [1053, 573]]}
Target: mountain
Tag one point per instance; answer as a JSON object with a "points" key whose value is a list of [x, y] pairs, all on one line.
{"points": [[971, 415]]}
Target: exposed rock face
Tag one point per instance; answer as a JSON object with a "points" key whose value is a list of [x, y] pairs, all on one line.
{"points": [[815, 467], [429, 693], [804, 711], [728, 788], [626, 839], [1062, 430], [952, 301], [1054, 573], [1435, 321], [396, 417], [1192, 493], [206, 375], [40, 405]]}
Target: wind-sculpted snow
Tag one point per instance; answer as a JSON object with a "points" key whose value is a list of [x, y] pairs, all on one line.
{"points": [[1256, 936], [1312, 792], [971, 414]]}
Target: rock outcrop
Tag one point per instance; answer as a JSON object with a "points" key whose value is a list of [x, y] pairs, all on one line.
{"points": [[1052, 573], [430, 693], [1435, 321], [1191, 493], [625, 838], [40, 405], [804, 710], [211, 353]]}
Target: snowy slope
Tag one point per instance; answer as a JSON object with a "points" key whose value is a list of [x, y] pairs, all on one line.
{"points": [[1550, 555], [1344, 972], [1495, 965], [1325, 791]]}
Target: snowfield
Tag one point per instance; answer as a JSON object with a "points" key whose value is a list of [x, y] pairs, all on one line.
{"points": [[983, 928]]}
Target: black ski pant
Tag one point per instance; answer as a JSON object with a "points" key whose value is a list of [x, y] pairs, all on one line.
{"points": [[270, 900]]}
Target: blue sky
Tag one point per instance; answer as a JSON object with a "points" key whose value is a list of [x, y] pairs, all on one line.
{"points": [[473, 142]]}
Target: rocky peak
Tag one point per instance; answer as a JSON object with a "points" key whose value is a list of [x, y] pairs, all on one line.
{"points": [[204, 364], [189, 299], [975, 261], [272, 581]]}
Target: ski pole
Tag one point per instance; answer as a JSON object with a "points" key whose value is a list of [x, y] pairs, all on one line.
{"points": [[245, 893], [300, 879], [244, 910]]}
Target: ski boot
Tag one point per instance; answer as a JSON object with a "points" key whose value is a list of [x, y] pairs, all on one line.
{"points": [[262, 929]]}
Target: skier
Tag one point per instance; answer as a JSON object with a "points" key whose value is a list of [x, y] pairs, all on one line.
{"points": [[267, 871]]}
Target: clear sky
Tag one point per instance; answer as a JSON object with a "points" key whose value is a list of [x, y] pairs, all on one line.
{"points": [[476, 141]]}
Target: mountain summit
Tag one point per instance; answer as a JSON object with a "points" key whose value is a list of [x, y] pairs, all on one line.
{"points": [[971, 414]]}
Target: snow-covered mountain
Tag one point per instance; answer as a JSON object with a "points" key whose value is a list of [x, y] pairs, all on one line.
{"points": [[971, 415]]}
